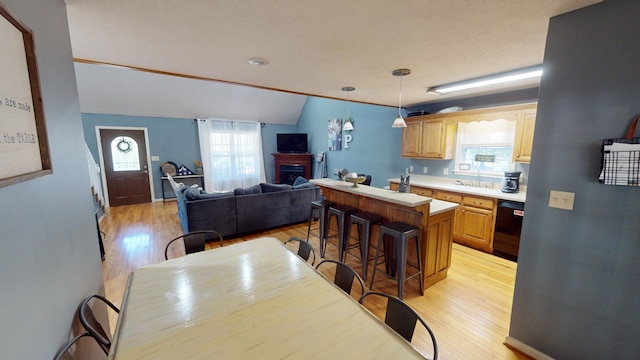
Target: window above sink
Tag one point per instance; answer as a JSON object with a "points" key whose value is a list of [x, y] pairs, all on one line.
{"points": [[484, 147]]}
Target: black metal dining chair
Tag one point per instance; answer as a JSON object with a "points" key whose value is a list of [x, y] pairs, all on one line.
{"points": [[194, 241], [65, 352], [345, 276], [402, 318], [92, 325], [305, 250]]}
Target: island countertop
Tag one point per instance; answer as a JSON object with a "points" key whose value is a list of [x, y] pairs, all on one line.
{"points": [[404, 199]]}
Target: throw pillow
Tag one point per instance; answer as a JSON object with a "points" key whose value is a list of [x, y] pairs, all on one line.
{"points": [[267, 188], [299, 180], [239, 191], [191, 193]]}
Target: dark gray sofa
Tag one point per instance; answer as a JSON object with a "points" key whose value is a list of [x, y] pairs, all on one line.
{"points": [[247, 210]]}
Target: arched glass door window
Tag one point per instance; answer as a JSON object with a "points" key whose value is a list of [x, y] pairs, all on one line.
{"points": [[124, 154]]}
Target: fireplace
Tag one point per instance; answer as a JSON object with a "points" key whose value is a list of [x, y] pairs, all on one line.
{"points": [[290, 166], [289, 173]]}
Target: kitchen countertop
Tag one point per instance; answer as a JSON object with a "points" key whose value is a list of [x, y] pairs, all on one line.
{"points": [[405, 199], [439, 183], [439, 206]]}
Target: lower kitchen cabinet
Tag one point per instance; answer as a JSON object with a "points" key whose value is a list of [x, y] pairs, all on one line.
{"points": [[476, 228], [474, 220], [438, 257]]}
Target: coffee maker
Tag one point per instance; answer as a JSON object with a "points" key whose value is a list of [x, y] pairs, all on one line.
{"points": [[511, 182]]}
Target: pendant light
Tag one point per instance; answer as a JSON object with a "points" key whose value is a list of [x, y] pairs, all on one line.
{"points": [[399, 121], [348, 126]]}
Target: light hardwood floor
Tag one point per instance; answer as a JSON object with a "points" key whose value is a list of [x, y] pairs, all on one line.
{"points": [[469, 311]]}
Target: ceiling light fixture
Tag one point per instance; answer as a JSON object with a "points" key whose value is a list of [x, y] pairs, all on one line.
{"points": [[348, 126], [521, 74], [399, 121], [258, 61]]}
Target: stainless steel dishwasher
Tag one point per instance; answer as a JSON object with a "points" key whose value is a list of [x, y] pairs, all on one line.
{"points": [[506, 239]]}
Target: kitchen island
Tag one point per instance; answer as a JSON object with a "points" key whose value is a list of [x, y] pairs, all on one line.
{"points": [[433, 217]]}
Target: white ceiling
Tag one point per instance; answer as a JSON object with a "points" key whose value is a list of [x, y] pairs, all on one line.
{"points": [[313, 47]]}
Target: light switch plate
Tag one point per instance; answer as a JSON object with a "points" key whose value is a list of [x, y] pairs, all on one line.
{"points": [[155, 158], [561, 199]]}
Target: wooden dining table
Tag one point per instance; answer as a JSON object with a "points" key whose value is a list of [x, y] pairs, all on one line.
{"points": [[250, 300]]}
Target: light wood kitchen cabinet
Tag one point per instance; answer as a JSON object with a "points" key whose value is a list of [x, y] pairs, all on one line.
{"points": [[412, 139], [454, 198], [523, 143], [474, 219], [422, 191], [476, 223], [418, 190], [438, 254], [428, 137]]}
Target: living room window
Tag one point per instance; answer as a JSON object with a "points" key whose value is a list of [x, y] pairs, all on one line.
{"points": [[484, 147], [231, 154]]}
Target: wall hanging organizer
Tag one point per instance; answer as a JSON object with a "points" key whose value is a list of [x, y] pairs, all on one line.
{"points": [[621, 159]]}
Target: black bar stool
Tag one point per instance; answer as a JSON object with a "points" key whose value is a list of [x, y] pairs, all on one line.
{"points": [[363, 221], [342, 214], [400, 233], [322, 207]]}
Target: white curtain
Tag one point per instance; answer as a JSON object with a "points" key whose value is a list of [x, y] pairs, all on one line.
{"points": [[231, 154]]}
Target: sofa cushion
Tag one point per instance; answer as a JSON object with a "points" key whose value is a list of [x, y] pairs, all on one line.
{"points": [[204, 195], [299, 180], [267, 188], [255, 189], [306, 185]]}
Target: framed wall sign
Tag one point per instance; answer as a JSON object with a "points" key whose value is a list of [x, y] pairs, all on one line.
{"points": [[24, 148], [335, 134]]}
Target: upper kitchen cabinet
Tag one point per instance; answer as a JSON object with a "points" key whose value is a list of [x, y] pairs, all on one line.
{"points": [[412, 138], [523, 143], [428, 137], [434, 136]]}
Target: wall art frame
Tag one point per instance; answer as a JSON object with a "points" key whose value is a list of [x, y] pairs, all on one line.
{"points": [[24, 146], [334, 134]]}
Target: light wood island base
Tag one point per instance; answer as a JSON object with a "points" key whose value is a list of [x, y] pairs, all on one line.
{"points": [[436, 226]]}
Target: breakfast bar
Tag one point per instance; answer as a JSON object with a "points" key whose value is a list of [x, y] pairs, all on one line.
{"points": [[433, 217]]}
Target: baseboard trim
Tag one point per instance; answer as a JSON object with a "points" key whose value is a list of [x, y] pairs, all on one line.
{"points": [[519, 346]]}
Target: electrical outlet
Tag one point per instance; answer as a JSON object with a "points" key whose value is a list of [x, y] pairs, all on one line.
{"points": [[425, 169], [155, 158], [561, 199], [445, 171], [410, 168]]}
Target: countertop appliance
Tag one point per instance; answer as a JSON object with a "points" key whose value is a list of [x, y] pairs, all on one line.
{"points": [[511, 182], [506, 240]]}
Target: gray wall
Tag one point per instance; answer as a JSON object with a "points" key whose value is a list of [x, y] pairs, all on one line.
{"points": [[578, 279], [49, 256]]}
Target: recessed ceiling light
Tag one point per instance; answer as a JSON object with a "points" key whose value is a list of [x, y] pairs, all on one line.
{"points": [[258, 61]]}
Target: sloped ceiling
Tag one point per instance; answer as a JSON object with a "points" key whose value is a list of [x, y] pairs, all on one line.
{"points": [[186, 59]]}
